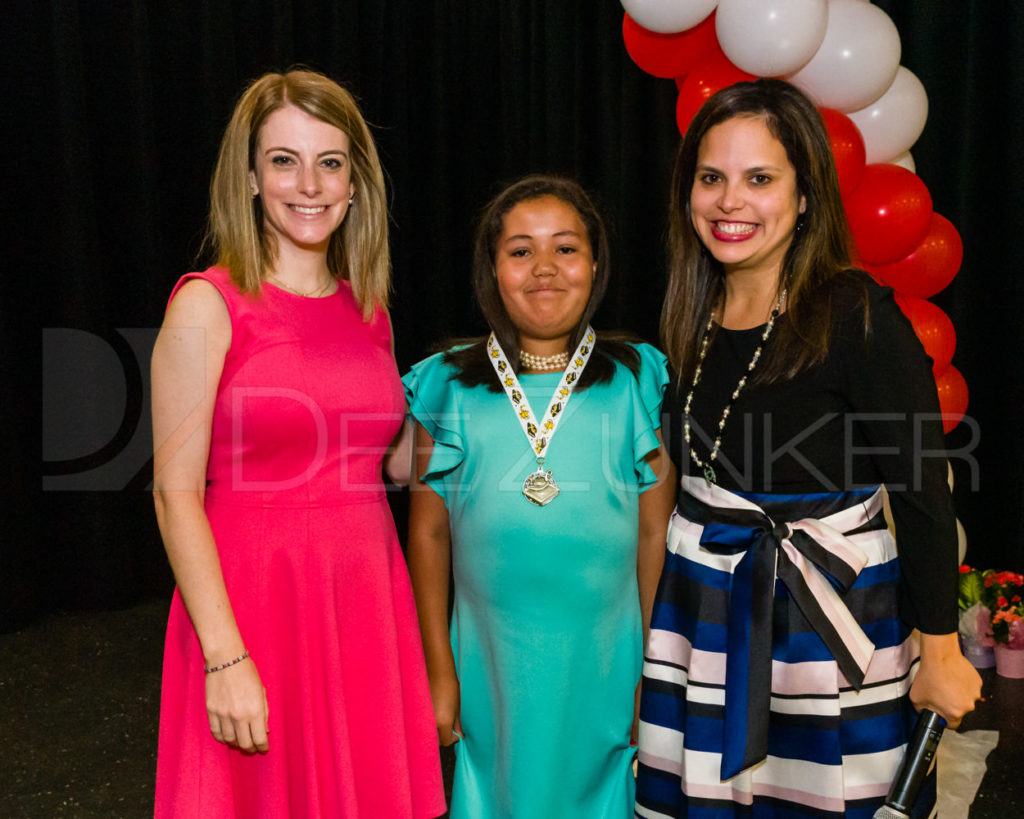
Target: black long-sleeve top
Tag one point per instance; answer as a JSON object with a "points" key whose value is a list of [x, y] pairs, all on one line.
{"points": [[868, 414]]}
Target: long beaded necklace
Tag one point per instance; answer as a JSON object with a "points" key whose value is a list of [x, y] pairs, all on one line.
{"points": [[705, 466]]}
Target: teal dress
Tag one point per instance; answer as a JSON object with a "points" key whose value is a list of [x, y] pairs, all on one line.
{"points": [[546, 626]]}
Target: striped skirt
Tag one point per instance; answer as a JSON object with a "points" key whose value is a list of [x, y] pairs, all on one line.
{"points": [[777, 673]]}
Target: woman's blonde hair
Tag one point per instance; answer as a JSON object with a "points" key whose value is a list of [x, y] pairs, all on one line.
{"points": [[358, 251]]}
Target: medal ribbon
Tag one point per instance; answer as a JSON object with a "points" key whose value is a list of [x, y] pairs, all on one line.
{"points": [[540, 435]]}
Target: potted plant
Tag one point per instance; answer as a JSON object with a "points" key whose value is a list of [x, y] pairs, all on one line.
{"points": [[1004, 596]]}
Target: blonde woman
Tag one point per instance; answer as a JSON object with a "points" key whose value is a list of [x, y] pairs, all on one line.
{"points": [[294, 682]]}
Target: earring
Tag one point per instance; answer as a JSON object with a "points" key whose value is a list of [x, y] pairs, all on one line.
{"points": [[254, 192], [351, 199]]}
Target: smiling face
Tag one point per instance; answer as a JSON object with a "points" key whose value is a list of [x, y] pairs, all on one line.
{"points": [[744, 203], [544, 266], [303, 175]]}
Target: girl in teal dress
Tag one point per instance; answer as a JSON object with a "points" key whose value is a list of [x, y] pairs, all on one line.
{"points": [[544, 491]]}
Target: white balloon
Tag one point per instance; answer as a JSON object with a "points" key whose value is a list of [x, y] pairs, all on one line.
{"points": [[668, 16], [905, 160], [770, 38], [857, 60], [961, 540], [893, 122]]}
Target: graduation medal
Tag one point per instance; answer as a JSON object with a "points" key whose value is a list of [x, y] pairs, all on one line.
{"points": [[539, 487]]}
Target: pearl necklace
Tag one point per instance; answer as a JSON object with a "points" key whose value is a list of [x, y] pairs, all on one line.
{"points": [[558, 361], [313, 294], [709, 472]]}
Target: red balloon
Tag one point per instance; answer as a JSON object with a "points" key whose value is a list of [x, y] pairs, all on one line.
{"points": [[933, 327], [889, 213], [930, 266], [847, 149], [952, 397], [711, 74], [669, 55]]}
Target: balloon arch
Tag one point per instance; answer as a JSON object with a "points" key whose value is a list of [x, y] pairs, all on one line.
{"points": [[845, 55]]}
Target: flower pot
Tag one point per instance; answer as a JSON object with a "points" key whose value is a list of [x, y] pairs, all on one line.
{"points": [[978, 655], [1009, 662]]}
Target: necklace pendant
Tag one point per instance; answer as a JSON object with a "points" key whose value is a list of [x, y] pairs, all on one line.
{"points": [[540, 487], [709, 474]]}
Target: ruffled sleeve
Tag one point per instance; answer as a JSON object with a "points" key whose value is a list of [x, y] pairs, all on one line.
{"points": [[647, 397], [433, 395]]}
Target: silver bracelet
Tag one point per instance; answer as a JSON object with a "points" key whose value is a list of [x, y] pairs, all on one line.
{"points": [[228, 664]]}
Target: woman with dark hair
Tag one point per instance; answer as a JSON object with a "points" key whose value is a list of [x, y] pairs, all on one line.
{"points": [[552, 524], [293, 681], [783, 668]]}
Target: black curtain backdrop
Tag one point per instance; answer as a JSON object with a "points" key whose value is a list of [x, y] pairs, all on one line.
{"points": [[114, 113]]}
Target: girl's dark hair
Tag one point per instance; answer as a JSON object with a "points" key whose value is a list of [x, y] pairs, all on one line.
{"points": [[471, 361], [818, 257]]}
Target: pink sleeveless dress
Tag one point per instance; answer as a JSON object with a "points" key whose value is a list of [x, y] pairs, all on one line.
{"points": [[308, 400]]}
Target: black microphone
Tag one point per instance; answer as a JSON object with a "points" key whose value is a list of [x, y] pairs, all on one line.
{"points": [[906, 785]]}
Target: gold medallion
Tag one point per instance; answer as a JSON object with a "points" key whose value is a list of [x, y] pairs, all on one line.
{"points": [[540, 487]]}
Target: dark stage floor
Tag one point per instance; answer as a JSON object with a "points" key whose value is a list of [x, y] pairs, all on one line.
{"points": [[79, 698]]}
